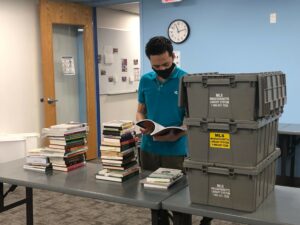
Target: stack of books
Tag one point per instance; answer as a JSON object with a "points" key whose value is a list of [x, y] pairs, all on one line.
{"points": [[162, 178], [34, 161], [118, 151], [67, 145]]}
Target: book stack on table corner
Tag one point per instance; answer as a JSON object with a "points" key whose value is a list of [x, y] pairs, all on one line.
{"points": [[67, 145], [38, 162], [162, 178], [118, 151]]}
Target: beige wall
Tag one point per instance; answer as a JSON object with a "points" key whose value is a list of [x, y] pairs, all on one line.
{"points": [[20, 67]]}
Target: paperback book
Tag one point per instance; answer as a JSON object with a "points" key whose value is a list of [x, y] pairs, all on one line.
{"points": [[162, 178], [118, 176], [158, 129]]}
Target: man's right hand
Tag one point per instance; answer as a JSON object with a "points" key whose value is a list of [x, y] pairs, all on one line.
{"points": [[146, 130]]}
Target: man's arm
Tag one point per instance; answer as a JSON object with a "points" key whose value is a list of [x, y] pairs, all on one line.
{"points": [[141, 112], [140, 115]]}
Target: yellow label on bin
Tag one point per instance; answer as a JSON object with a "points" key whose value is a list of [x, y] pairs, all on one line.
{"points": [[219, 140]]}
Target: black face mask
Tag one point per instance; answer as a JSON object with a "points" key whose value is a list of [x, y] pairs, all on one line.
{"points": [[164, 73]]}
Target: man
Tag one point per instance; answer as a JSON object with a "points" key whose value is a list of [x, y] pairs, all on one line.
{"points": [[158, 101]]}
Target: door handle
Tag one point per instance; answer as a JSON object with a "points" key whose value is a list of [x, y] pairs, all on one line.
{"points": [[51, 100]]}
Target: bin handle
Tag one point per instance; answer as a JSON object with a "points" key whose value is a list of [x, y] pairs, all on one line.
{"points": [[221, 81], [219, 170]]}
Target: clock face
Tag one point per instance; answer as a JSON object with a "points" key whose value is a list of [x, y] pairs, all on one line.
{"points": [[178, 31]]}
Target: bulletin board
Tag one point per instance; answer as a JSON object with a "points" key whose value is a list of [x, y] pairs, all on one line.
{"points": [[118, 61]]}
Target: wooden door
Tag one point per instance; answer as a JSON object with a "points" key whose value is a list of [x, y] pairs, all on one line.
{"points": [[53, 13]]}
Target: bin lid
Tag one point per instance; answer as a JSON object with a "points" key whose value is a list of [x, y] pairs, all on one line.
{"points": [[223, 77], [219, 79], [225, 169], [227, 124]]}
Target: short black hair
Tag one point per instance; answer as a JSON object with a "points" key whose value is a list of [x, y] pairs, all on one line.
{"points": [[158, 45]]}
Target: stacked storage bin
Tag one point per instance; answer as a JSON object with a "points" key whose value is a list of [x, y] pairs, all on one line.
{"points": [[232, 122]]}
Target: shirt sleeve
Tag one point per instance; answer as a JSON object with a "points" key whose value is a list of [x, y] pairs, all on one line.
{"points": [[141, 95]]}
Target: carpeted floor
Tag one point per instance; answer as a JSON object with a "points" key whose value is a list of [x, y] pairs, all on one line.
{"points": [[51, 208]]}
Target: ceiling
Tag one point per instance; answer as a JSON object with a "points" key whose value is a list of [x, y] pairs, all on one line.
{"points": [[131, 7], [127, 7]]}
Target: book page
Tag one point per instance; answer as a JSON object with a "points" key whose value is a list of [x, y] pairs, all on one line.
{"points": [[158, 129], [167, 130]]}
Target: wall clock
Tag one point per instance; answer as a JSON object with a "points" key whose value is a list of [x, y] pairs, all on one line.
{"points": [[178, 31]]}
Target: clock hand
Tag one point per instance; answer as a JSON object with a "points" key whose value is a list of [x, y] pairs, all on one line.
{"points": [[177, 28], [181, 30]]}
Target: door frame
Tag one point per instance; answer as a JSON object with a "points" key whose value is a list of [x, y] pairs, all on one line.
{"points": [[69, 14]]}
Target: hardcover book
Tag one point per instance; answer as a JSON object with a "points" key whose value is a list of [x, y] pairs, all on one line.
{"points": [[120, 124], [116, 179], [160, 185]]}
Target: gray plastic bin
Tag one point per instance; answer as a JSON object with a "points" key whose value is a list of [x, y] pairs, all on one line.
{"points": [[247, 96], [240, 143], [240, 188]]}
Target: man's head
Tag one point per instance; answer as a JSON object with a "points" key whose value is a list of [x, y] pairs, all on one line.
{"points": [[159, 50]]}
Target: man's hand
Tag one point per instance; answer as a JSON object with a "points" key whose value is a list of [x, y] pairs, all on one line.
{"points": [[146, 130]]}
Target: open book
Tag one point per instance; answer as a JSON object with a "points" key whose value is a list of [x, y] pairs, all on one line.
{"points": [[158, 129]]}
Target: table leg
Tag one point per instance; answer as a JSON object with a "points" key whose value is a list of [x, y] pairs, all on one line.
{"points": [[284, 145], [182, 218], [1, 197], [160, 217], [29, 206]]}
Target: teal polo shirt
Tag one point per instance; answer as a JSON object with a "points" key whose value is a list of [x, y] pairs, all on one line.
{"points": [[161, 101]]}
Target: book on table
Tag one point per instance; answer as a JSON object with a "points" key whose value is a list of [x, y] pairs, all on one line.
{"points": [[125, 158], [37, 159], [118, 133], [108, 154], [158, 185], [158, 129], [38, 168], [66, 162], [71, 143], [123, 167], [68, 126], [164, 174], [162, 178], [113, 162], [118, 176], [118, 124], [130, 143], [118, 139], [52, 132], [69, 168]]}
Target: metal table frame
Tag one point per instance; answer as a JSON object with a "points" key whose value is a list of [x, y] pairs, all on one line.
{"points": [[288, 139]]}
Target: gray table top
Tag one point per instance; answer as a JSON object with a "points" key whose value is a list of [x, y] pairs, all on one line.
{"points": [[82, 182], [289, 128], [281, 207]]}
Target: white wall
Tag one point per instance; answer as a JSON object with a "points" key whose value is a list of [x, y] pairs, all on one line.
{"points": [[20, 67], [118, 106]]}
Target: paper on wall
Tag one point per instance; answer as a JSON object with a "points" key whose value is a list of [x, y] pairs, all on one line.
{"points": [[108, 54]]}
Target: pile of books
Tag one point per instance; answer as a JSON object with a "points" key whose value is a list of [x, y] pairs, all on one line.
{"points": [[162, 178], [118, 151], [36, 162], [67, 145]]}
